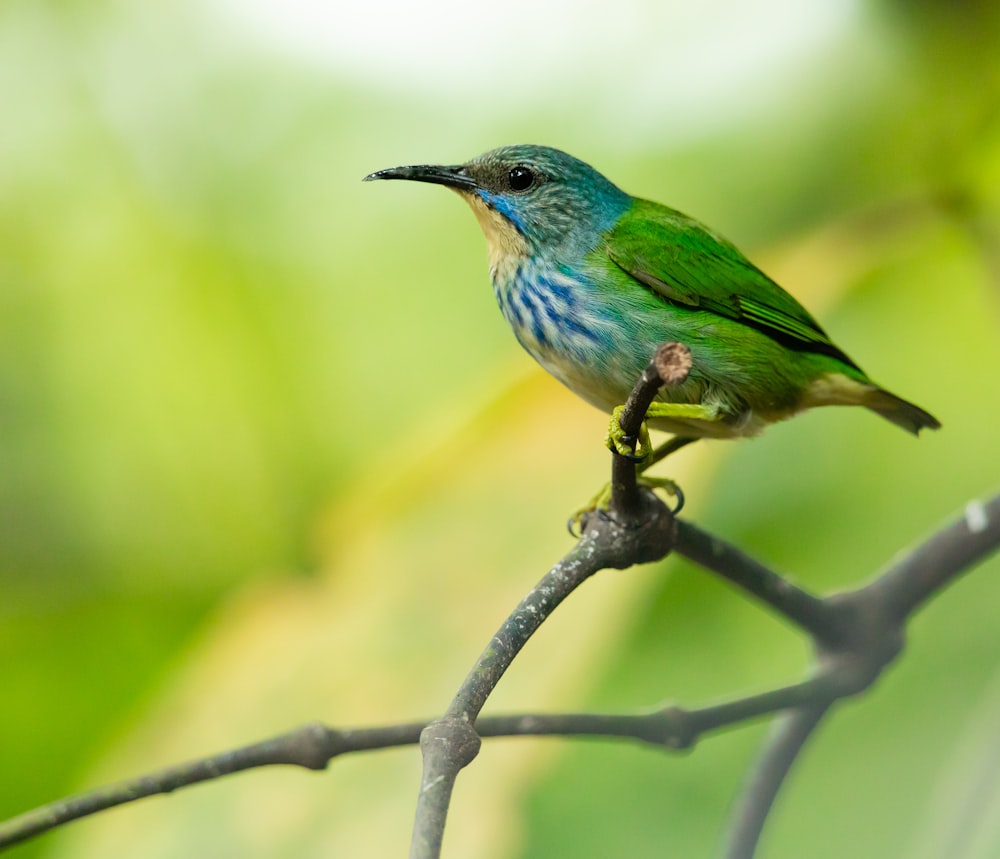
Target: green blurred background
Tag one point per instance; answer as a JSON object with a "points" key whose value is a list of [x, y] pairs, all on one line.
{"points": [[268, 453]]}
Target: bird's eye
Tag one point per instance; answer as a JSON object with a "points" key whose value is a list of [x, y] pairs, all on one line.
{"points": [[520, 178]]}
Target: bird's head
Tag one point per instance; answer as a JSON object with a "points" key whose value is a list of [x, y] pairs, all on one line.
{"points": [[529, 200]]}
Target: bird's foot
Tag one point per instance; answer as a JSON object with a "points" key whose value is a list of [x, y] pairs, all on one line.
{"points": [[668, 487], [598, 504], [636, 449], [601, 501]]}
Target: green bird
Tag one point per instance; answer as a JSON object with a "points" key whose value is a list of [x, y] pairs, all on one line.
{"points": [[592, 280]]}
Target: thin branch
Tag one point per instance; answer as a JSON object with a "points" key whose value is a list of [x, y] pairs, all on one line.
{"points": [[672, 728], [310, 746], [857, 634], [315, 746], [806, 611], [637, 528], [907, 583], [605, 543], [780, 753], [939, 560], [450, 743], [669, 366]]}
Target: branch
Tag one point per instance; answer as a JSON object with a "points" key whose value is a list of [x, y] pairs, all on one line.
{"points": [[843, 670], [310, 746], [637, 528], [781, 752], [856, 635], [315, 746], [936, 563], [670, 366], [806, 611]]}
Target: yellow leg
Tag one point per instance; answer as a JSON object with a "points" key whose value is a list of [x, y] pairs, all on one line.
{"points": [[603, 498], [640, 449], [693, 411], [671, 445]]}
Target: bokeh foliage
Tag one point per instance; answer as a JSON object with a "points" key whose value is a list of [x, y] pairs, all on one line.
{"points": [[268, 454]]}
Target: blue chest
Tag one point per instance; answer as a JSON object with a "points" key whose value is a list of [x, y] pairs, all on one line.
{"points": [[565, 323], [553, 315], [595, 338]]}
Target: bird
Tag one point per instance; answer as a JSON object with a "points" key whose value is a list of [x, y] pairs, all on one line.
{"points": [[592, 280]]}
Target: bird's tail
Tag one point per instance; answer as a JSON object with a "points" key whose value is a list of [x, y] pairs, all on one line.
{"points": [[901, 412]]}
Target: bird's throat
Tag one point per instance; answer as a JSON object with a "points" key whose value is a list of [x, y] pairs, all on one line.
{"points": [[507, 247]]}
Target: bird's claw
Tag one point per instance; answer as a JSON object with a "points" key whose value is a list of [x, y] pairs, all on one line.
{"points": [[668, 486], [637, 450], [576, 522], [599, 503], [634, 448]]}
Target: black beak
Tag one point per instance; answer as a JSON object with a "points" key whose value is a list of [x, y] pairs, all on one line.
{"points": [[453, 177]]}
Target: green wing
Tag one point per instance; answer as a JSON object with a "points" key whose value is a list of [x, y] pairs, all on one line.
{"points": [[684, 262]]}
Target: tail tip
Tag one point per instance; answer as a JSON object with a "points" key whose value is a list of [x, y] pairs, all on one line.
{"points": [[903, 413]]}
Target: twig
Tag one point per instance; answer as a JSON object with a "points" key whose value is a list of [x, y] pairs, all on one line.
{"points": [[315, 746], [637, 528], [609, 541], [939, 560], [669, 366], [845, 669], [780, 753], [450, 743], [857, 634], [808, 612], [310, 746]]}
